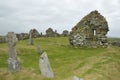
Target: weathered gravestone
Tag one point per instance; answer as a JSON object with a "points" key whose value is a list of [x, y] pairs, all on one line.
{"points": [[40, 51], [30, 42], [13, 62], [45, 67]]}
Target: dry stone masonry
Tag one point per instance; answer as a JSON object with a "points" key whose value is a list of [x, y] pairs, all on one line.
{"points": [[35, 33], [13, 62], [65, 33], [22, 36], [90, 31], [51, 33], [45, 67]]}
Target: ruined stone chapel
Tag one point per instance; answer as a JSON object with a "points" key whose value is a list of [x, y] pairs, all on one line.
{"points": [[90, 31]]}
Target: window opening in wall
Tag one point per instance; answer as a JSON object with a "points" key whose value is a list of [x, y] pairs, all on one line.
{"points": [[94, 32]]}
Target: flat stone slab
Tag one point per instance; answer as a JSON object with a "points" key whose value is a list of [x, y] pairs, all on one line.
{"points": [[45, 67]]}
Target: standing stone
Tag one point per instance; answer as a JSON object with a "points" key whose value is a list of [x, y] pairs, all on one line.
{"points": [[13, 62], [45, 67], [30, 42], [40, 51]]}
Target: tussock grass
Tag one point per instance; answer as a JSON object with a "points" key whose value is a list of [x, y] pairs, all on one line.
{"points": [[66, 61]]}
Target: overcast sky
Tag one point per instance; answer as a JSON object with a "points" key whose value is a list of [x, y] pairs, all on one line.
{"points": [[22, 15]]}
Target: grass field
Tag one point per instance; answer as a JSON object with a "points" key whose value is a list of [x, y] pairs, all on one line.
{"points": [[114, 39], [66, 61]]}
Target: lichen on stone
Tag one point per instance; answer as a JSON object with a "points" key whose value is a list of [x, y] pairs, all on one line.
{"points": [[92, 29]]}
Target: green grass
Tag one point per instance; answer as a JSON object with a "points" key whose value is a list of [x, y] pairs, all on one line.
{"points": [[114, 39], [66, 61]]}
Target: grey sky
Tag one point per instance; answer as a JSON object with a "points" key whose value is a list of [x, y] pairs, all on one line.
{"points": [[23, 15]]}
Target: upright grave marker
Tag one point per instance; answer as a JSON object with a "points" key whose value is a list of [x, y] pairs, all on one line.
{"points": [[13, 62], [30, 42], [45, 67]]}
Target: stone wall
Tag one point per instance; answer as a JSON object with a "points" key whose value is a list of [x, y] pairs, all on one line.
{"points": [[35, 33], [65, 33], [90, 31], [51, 33], [22, 36]]}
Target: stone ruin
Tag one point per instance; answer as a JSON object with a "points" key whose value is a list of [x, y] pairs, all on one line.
{"points": [[90, 31], [13, 62], [65, 33], [22, 36], [35, 33], [51, 33]]}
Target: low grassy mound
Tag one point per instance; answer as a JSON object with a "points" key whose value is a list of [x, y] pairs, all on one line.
{"points": [[66, 61]]}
